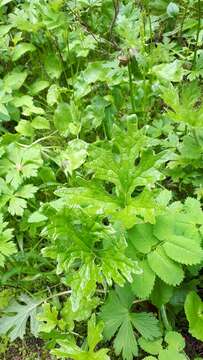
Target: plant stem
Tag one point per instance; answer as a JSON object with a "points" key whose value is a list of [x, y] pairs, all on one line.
{"points": [[198, 32], [165, 318], [131, 87]]}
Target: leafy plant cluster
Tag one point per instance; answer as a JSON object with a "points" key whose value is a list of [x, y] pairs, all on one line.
{"points": [[101, 122]]}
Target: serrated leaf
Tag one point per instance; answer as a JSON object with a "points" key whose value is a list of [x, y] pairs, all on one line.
{"points": [[16, 324], [141, 237], [125, 342], [164, 267], [150, 346], [146, 324], [120, 320], [17, 206], [143, 283], [183, 250]]}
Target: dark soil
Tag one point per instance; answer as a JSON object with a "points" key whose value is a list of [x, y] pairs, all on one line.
{"points": [[28, 349]]}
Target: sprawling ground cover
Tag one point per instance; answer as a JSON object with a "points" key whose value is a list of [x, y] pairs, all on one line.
{"points": [[101, 175]]}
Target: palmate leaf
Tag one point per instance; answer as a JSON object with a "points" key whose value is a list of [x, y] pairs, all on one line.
{"points": [[121, 321], [15, 325], [18, 164], [94, 336], [183, 104]]}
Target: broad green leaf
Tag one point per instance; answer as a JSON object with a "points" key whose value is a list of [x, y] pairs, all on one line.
{"points": [[94, 336], [161, 293], [40, 123], [14, 80], [4, 2], [25, 128], [38, 86], [48, 318], [194, 313], [175, 340], [15, 325], [53, 65], [150, 346], [63, 118], [73, 157], [164, 267], [170, 72], [184, 250], [141, 237], [17, 206], [171, 353], [143, 283], [146, 324], [22, 48], [36, 217], [119, 321], [7, 247]]}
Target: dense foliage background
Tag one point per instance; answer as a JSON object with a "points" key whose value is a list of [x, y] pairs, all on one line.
{"points": [[101, 171]]}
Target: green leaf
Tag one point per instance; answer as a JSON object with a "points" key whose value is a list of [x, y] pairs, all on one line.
{"points": [[62, 117], [16, 324], [19, 164], [38, 86], [146, 324], [164, 267], [161, 293], [120, 321], [175, 340], [143, 283], [17, 206], [194, 313], [170, 72], [40, 123], [7, 247], [36, 217], [116, 318], [48, 318], [4, 2], [141, 237], [171, 353], [22, 48], [14, 80], [53, 65], [150, 346], [24, 128], [94, 336], [184, 250], [74, 156]]}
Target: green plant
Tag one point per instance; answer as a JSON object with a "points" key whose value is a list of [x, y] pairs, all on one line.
{"points": [[101, 176]]}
